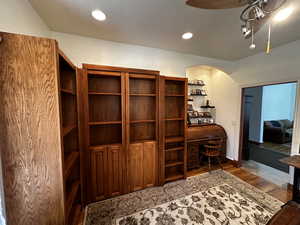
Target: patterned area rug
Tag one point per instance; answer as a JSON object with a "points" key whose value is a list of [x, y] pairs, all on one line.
{"points": [[218, 205], [210, 199]]}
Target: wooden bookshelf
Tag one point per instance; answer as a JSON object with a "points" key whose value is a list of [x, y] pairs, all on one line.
{"points": [[121, 124], [72, 149], [103, 106], [173, 116], [142, 115]]}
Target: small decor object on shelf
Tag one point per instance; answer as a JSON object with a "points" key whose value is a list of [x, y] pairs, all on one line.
{"points": [[199, 92], [207, 106], [200, 82], [203, 93], [196, 82], [207, 114], [190, 107], [195, 114]]}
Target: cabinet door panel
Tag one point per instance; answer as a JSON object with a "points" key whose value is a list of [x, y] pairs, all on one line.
{"points": [[115, 170], [99, 173], [149, 165], [136, 166]]}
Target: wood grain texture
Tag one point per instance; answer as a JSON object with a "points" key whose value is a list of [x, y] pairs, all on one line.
{"points": [[99, 167], [149, 163], [135, 155], [31, 155], [115, 170]]}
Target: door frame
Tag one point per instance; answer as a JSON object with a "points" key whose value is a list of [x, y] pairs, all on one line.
{"points": [[296, 128]]}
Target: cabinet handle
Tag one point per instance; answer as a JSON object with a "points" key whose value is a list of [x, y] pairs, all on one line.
{"points": [[1, 39]]}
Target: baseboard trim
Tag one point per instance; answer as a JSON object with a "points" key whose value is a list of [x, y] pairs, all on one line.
{"points": [[290, 186], [235, 163], [255, 142]]}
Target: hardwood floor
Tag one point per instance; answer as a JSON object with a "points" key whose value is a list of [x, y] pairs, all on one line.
{"points": [[281, 193]]}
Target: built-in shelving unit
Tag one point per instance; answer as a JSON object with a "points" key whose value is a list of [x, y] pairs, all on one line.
{"points": [[71, 139], [105, 109], [143, 94], [174, 117], [121, 124]]}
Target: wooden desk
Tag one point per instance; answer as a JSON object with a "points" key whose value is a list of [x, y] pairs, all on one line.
{"points": [[197, 136], [295, 162]]}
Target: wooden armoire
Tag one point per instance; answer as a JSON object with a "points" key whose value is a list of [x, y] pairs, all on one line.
{"points": [[121, 129], [40, 142]]}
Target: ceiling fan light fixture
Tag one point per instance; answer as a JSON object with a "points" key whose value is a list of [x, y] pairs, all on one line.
{"points": [[98, 15], [283, 14], [245, 30], [187, 35], [259, 13]]}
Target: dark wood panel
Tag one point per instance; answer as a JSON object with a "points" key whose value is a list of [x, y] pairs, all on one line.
{"points": [[99, 170], [104, 108], [104, 84], [142, 108], [136, 166], [115, 170], [149, 163], [142, 86], [174, 86], [31, 155], [106, 134], [142, 131], [175, 128], [174, 107]]}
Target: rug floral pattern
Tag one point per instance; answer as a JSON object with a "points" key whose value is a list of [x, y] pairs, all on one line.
{"points": [[112, 211], [219, 205]]}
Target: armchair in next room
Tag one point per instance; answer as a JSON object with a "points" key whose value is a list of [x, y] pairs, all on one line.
{"points": [[278, 131]]}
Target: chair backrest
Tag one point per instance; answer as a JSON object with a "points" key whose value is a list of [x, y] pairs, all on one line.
{"points": [[214, 145]]}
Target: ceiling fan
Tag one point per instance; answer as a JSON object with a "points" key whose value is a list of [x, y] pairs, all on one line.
{"points": [[255, 14]]}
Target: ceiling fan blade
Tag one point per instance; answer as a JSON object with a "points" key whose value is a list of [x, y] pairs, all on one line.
{"points": [[273, 5], [216, 4]]}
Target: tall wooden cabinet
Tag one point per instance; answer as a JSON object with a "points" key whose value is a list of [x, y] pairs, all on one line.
{"points": [[40, 146], [142, 128], [173, 126], [121, 129], [104, 132]]}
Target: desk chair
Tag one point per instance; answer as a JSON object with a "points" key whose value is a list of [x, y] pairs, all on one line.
{"points": [[213, 149]]}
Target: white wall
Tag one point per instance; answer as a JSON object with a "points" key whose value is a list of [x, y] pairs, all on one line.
{"points": [[255, 120], [18, 16], [279, 102], [94, 51], [200, 73], [282, 65], [221, 90]]}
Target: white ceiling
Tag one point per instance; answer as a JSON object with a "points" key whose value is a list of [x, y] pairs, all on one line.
{"points": [[160, 24]]}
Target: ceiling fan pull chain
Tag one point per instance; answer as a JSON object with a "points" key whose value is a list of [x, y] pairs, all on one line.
{"points": [[269, 40], [252, 46]]}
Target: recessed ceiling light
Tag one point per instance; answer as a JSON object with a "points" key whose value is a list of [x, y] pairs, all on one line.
{"points": [[187, 35], [99, 15], [283, 14]]}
